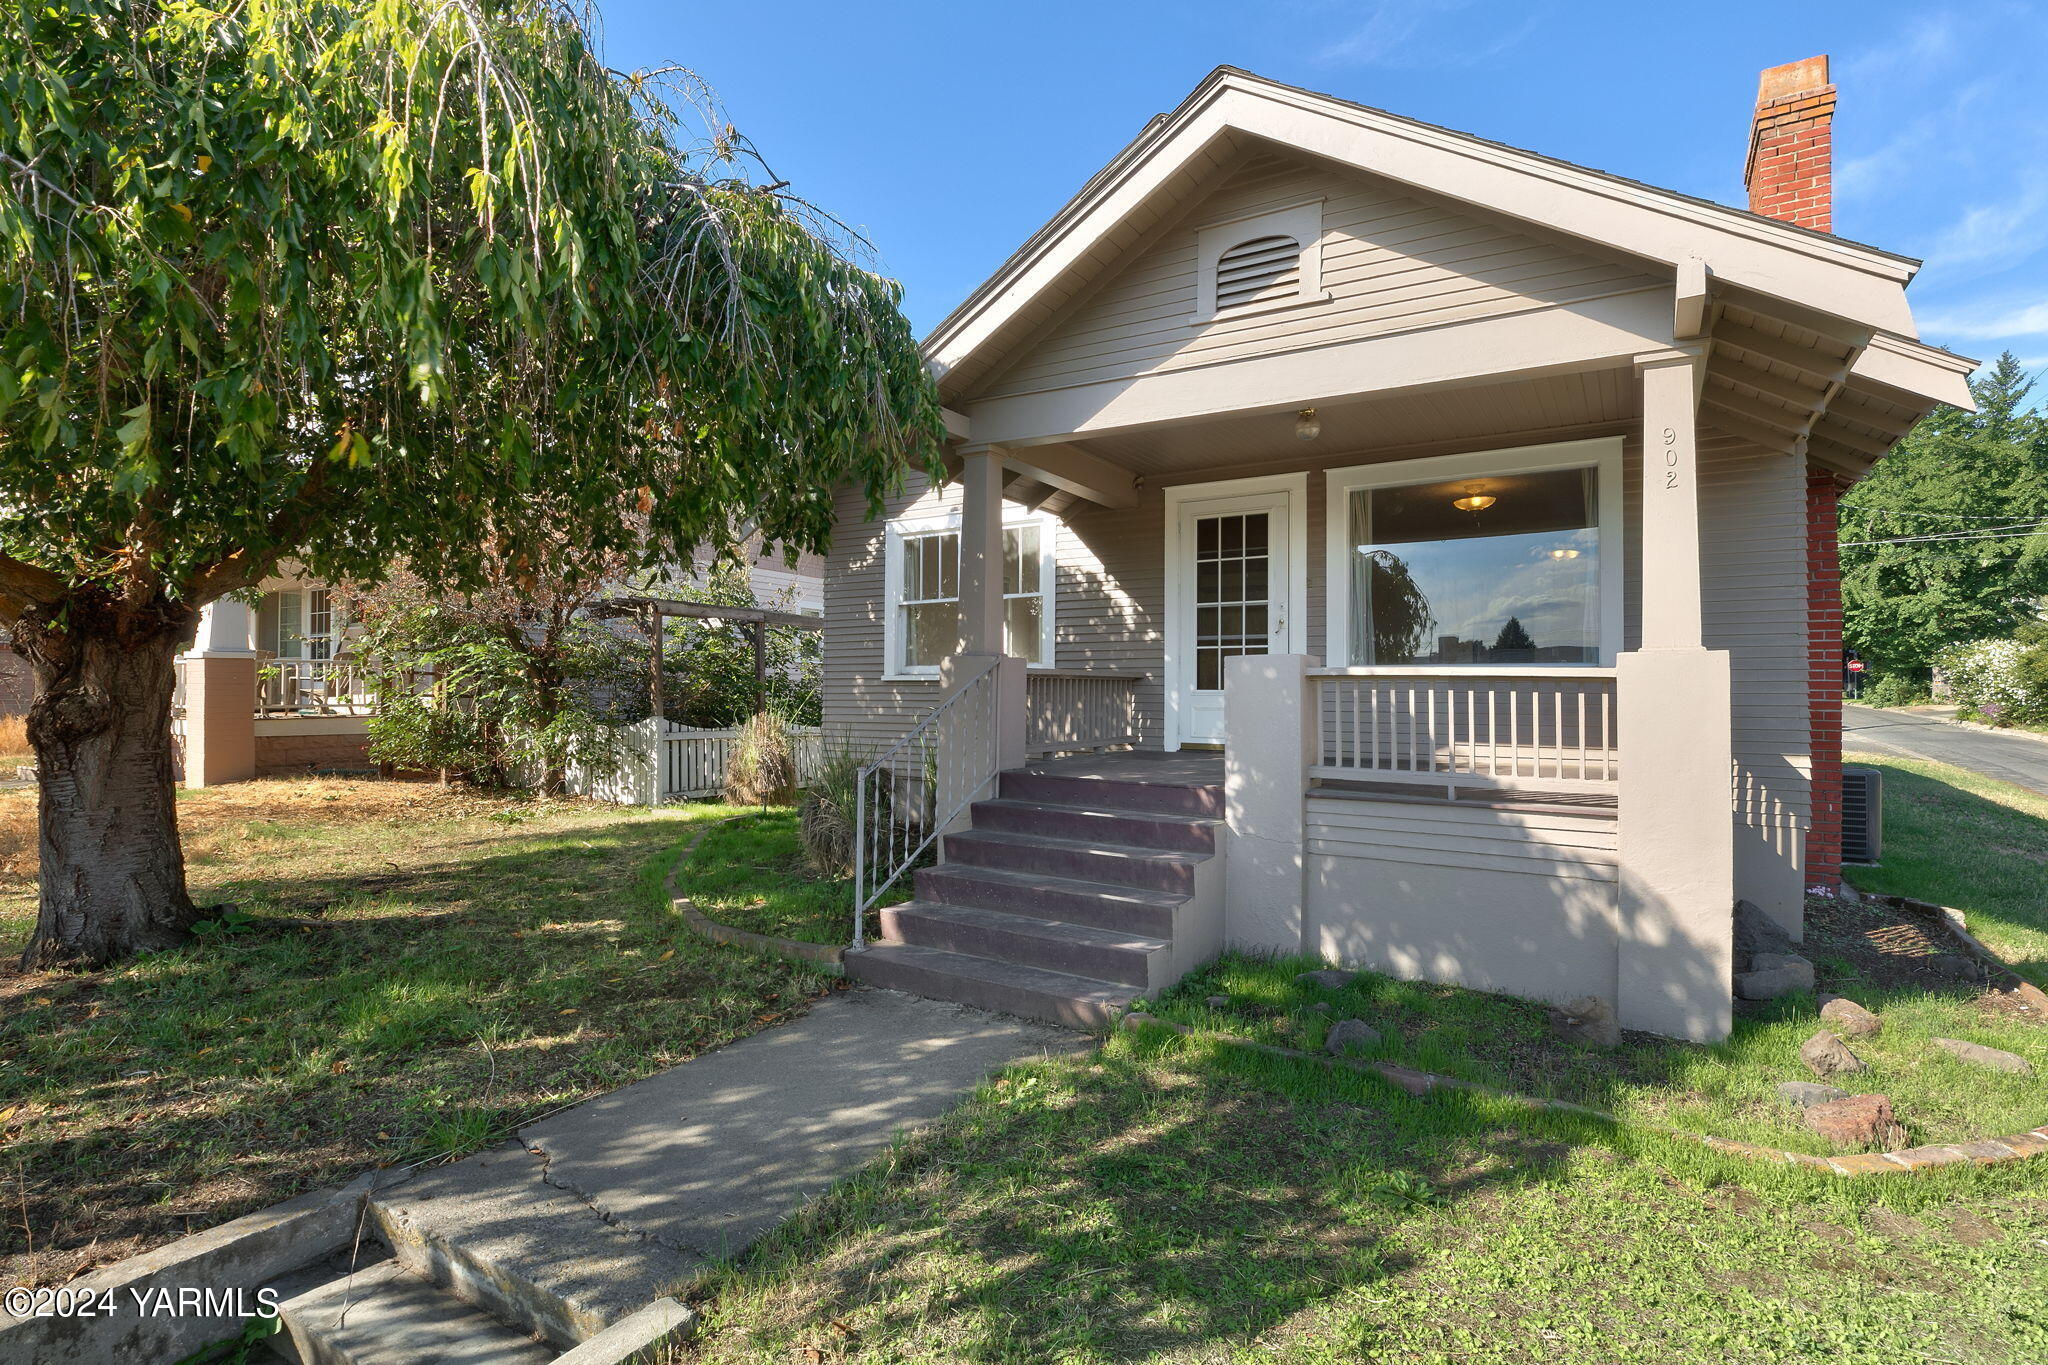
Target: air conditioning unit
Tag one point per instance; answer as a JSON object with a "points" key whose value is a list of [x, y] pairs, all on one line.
{"points": [[1862, 815]]}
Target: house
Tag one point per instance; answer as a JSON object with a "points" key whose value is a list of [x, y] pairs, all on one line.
{"points": [[1374, 541], [272, 688]]}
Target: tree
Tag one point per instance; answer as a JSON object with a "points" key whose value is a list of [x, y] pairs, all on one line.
{"points": [[1974, 482], [421, 281], [1514, 637], [525, 679], [1401, 614], [709, 679]]}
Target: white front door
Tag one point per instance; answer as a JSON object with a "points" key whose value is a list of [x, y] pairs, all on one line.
{"points": [[1233, 578]]}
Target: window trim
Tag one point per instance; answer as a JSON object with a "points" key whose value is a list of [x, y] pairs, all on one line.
{"points": [[902, 528], [1303, 222], [1602, 453]]}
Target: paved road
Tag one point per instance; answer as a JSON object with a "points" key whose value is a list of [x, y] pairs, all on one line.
{"points": [[2018, 759]]}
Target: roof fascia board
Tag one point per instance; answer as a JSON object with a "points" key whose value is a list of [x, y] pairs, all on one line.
{"points": [[1597, 334], [1912, 367], [1832, 276], [1829, 276]]}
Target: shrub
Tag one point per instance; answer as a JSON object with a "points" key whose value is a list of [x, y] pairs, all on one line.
{"points": [[1896, 690], [762, 768], [825, 817], [2003, 681]]}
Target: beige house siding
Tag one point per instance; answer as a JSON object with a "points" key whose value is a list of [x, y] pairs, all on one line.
{"points": [[1110, 606], [1392, 261]]}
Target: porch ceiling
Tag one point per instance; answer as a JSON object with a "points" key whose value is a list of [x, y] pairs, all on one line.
{"points": [[1524, 408]]}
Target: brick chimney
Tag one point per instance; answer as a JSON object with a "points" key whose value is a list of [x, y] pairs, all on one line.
{"points": [[1791, 145]]}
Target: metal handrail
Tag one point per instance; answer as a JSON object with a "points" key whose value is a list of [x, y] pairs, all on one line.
{"points": [[900, 853]]}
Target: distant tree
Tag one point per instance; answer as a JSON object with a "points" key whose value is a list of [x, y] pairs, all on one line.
{"points": [[1514, 636], [1979, 479], [360, 284]]}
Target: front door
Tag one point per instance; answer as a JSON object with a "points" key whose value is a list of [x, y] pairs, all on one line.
{"points": [[1231, 579]]}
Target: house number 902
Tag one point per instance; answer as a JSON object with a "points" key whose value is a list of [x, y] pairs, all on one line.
{"points": [[1671, 457]]}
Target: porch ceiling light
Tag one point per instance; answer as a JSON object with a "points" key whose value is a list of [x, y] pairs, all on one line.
{"points": [[1564, 554], [1474, 500], [1307, 426]]}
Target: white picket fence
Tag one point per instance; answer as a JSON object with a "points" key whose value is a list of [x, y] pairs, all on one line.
{"points": [[690, 763]]}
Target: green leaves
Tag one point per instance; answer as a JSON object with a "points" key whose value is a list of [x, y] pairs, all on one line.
{"points": [[368, 284]]}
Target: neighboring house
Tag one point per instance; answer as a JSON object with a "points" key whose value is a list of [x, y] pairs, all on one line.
{"points": [[310, 706], [1463, 518]]}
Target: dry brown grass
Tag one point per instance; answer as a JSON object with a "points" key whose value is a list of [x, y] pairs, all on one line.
{"points": [[14, 747]]}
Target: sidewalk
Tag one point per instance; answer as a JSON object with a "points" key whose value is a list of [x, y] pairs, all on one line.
{"points": [[596, 1213]]}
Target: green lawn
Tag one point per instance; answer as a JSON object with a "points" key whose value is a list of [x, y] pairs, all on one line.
{"points": [[1960, 839], [1728, 1090], [1176, 1199], [416, 972], [1171, 1200], [750, 873]]}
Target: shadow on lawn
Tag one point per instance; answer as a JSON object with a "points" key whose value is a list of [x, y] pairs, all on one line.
{"points": [[1154, 1197], [1954, 847], [413, 1013]]}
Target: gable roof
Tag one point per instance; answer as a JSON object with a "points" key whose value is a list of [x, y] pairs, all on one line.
{"points": [[1817, 271]]}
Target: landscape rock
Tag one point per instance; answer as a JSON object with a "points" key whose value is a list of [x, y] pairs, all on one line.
{"points": [[1848, 1018], [1589, 1020], [1956, 966], [1350, 1033], [1773, 975], [1329, 979], [1976, 1054], [1322, 1007], [1857, 1121], [1806, 1094], [1756, 932], [1827, 1055], [1217, 1002]]}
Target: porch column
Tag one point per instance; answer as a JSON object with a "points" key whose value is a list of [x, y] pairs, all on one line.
{"points": [[1268, 716], [981, 552], [220, 698], [1676, 894], [976, 736]]}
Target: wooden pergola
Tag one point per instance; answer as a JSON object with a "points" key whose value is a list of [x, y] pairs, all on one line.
{"points": [[652, 612]]}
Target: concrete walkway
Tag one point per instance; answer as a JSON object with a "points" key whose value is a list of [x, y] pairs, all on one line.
{"points": [[706, 1157], [542, 1244], [2019, 759]]}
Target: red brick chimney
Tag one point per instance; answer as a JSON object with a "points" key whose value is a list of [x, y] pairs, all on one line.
{"points": [[1791, 145]]}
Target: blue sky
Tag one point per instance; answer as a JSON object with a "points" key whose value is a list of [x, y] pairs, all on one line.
{"points": [[948, 132]]}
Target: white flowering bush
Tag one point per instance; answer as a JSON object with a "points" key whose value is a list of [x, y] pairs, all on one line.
{"points": [[1998, 679]]}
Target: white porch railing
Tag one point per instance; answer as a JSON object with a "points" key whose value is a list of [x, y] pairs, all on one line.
{"points": [[1079, 709], [337, 687], [1541, 728]]}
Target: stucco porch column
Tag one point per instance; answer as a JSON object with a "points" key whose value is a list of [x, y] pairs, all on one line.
{"points": [[1677, 877], [220, 697], [977, 735]]}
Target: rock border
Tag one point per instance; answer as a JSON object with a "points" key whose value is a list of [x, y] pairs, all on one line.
{"points": [[1982, 1151], [820, 954]]}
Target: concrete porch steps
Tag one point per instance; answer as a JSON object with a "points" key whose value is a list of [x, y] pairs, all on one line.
{"points": [[383, 1314], [1068, 896], [1076, 1002]]}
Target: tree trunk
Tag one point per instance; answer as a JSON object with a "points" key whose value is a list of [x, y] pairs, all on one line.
{"points": [[113, 873]]}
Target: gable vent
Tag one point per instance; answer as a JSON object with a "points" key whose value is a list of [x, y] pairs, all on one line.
{"points": [[1260, 269]]}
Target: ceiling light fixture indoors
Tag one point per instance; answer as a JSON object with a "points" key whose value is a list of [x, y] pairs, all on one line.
{"points": [[1474, 500], [1307, 426]]}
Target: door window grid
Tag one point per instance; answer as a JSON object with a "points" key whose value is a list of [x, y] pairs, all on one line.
{"points": [[1233, 562]]}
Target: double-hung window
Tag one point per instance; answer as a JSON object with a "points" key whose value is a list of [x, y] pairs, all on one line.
{"points": [[923, 573]]}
